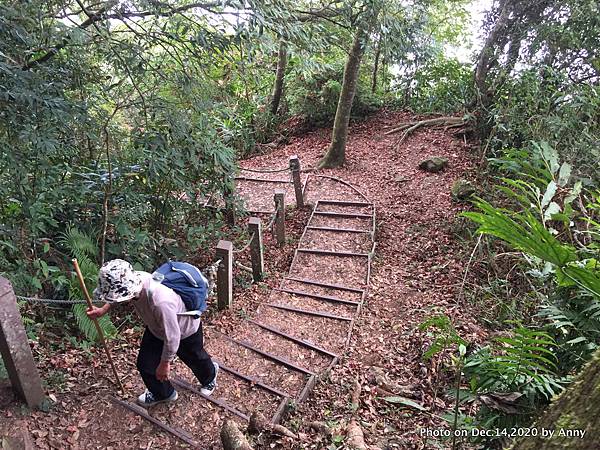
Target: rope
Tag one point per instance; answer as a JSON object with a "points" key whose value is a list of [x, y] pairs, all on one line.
{"points": [[273, 219], [347, 184], [210, 270], [266, 170], [50, 300], [245, 246], [243, 267]]}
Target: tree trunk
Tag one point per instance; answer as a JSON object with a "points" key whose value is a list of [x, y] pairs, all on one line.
{"points": [[575, 410], [487, 58], [278, 87], [376, 66], [336, 155]]}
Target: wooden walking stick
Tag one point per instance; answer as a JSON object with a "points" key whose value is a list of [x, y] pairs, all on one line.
{"points": [[98, 329]]}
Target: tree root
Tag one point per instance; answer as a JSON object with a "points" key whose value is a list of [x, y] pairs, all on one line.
{"points": [[355, 438], [355, 398], [232, 438], [320, 427], [409, 127], [259, 424]]}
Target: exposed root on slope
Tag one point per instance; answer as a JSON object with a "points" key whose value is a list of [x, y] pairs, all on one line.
{"points": [[232, 438], [445, 122]]}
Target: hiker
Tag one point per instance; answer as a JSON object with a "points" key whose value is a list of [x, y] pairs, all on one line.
{"points": [[168, 332]]}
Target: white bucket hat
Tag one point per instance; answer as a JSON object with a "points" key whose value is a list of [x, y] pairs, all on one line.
{"points": [[117, 282]]}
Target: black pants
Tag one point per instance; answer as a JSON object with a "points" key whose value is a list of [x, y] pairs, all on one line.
{"points": [[191, 352]]}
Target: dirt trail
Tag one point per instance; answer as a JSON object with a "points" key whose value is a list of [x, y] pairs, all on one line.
{"points": [[416, 271]]}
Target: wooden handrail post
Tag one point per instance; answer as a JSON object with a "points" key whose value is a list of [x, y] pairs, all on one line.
{"points": [[279, 225], [256, 248], [16, 353], [295, 169], [225, 275]]}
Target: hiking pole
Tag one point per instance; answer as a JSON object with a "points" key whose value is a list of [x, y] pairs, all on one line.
{"points": [[98, 329]]}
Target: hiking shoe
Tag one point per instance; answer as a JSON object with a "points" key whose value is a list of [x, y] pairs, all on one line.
{"points": [[210, 387], [147, 399]]}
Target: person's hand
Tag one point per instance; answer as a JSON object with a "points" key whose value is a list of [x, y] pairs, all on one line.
{"points": [[95, 312], [162, 371]]}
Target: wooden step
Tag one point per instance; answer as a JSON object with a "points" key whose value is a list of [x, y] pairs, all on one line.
{"points": [[341, 214], [338, 230], [309, 312], [344, 203], [318, 251], [326, 285]]}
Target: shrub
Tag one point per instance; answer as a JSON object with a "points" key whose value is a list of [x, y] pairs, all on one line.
{"points": [[314, 95], [443, 85], [550, 108]]}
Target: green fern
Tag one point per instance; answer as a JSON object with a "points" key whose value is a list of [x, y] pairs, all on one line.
{"points": [[89, 329], [85, 249], [524, 362], [524, 232], [444, 335]]}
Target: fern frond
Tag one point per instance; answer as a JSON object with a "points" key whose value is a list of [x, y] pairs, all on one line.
{"points": [[85, 249], [89, 329], [80, 244]]}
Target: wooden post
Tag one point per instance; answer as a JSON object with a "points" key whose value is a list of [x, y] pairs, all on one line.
{"points": [[15, 350], [225, 275], [279, 225], [295, 168], [256, 248]]}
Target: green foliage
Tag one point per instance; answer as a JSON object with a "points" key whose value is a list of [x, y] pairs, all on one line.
{"points": [[314, 94], [117, 119], [524, 362], [558, 243], [442, 85], [549, 108], [82, 247], [523, 365], [544, 207], [3, 372], [444, 335]]}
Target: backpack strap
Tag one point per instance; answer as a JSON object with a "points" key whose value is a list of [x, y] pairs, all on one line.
{"points": [[150, 291]]}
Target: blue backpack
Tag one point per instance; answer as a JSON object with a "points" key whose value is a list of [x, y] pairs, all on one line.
{"points": [[187, 281]]}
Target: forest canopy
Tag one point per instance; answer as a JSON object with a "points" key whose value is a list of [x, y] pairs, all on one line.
{"points": [[108, 108]]}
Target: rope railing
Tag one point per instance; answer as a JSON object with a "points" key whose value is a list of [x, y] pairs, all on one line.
{"points": [[246, 245], [50, 300], [273, 218], [265, 170], [243, 267]]}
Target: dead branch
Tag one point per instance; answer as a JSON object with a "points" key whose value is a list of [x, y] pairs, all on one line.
{"points": [[438, 121], [232, 438], [259, 424]]}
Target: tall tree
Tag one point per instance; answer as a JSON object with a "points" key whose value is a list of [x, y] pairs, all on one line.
{"points": [[279, 76], [548, 35], [576, 409], [336, 155], [363, 24]]}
